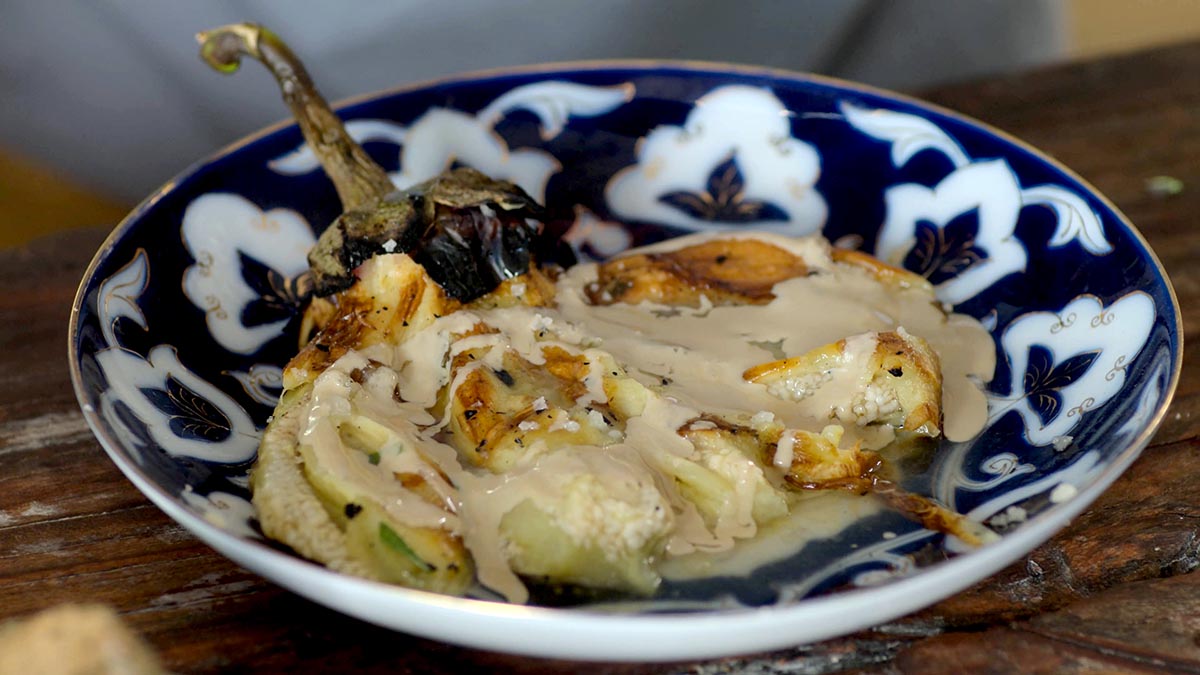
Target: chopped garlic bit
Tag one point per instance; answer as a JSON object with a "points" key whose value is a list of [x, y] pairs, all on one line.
{"points": [[784, 450], [539, 404], [1011, 516], [541, 322], [874, 403], [1062, 493], [564, 423], [389, 245], [798, 388], [528, 425], [596, 418], [1061, 443], [761, 419]]}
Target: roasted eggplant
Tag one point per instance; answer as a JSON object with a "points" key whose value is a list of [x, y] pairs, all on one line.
{"points": [[468, 230], [455, 421]]}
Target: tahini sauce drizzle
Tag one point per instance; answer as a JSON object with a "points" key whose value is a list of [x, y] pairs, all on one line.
{"points": [[704, 352], [694, 359]]}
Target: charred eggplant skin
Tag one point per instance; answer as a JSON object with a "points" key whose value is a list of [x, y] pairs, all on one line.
{"points": [[471, 232]]}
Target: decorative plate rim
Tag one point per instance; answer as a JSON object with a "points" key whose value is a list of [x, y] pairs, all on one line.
{"points": [[624, 636]]}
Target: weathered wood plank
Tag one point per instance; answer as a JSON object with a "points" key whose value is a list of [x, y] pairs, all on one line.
{"points": [[1004, 650], [1149, 626]]}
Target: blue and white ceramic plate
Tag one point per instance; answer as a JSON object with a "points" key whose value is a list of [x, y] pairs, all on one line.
{"points": [[190, 309]]}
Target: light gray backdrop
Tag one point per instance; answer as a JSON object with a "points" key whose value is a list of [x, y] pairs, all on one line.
{"points": [[112, 93]]}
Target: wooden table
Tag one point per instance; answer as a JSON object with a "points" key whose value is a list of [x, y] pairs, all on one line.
{"points": [[1112, 592]]}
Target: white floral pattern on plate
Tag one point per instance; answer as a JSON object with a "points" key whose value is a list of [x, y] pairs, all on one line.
{"points": [[1065, 364], [963, 263], [1146, 406], [263, 382], [1078, 473], [226, 233], [961, 235], [226, 510], [441, 136], [732, 163], [917, 225], [182, 413], [1000, 467]]}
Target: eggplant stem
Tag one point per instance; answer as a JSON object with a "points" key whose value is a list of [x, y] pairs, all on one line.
{"points": [[360, 182]]}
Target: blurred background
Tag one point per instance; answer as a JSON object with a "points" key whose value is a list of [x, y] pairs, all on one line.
{"points": [[103, 101]]}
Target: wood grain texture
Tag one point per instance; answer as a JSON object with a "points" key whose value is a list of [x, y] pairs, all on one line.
{"points": [[1111, 593]]}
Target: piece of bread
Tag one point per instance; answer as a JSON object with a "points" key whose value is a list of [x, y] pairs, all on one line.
{"points": [[86, 639]]}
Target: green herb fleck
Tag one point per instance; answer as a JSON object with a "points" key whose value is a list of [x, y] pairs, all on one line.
{"points": [[1164, 186], [393, 541], [373, 458]]}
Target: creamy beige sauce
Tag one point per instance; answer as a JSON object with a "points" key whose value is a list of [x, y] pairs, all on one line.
{"points": [[693, 359], [704, 352]]}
